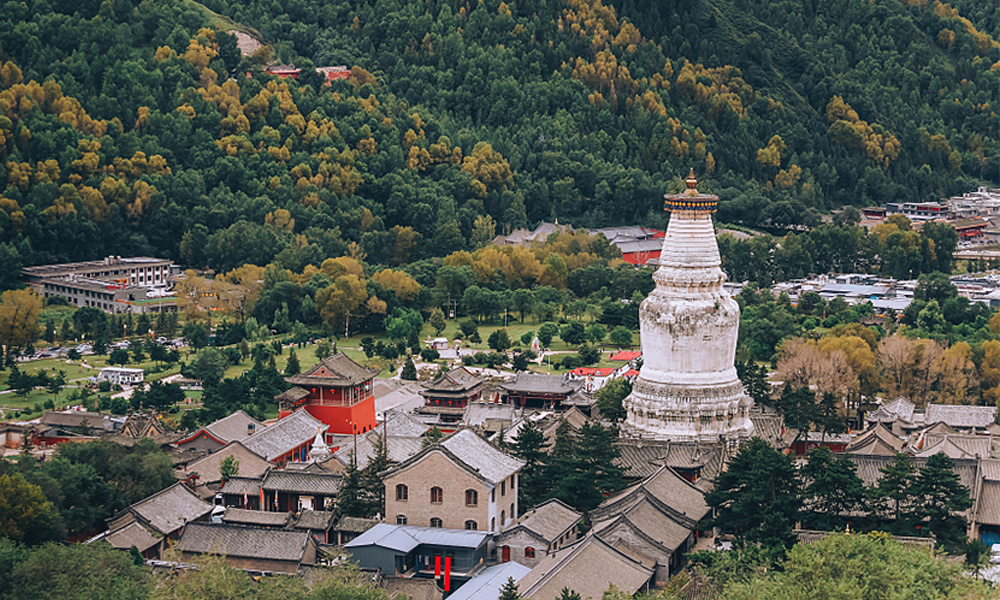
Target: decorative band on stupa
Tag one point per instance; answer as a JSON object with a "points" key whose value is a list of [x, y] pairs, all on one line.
{"points": [[691, 200]]}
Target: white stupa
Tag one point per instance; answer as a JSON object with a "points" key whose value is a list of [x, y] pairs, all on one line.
{"points": [[687, 390], [319, 451]]}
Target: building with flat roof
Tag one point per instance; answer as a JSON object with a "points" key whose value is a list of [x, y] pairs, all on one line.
{"points": [[115, 285], [121, 375]]}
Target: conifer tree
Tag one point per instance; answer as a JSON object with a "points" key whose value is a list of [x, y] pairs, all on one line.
{"points": [[529, 446], [940, 497], [509, 590], [292, 367], [757, 496], [409, 371]]}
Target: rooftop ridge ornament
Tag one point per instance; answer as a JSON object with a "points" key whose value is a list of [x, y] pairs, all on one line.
{"points": [[691, 200]]}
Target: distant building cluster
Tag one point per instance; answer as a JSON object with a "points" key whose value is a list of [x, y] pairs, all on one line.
{"points": [[974, 215], [885, 294], [114, 285]]}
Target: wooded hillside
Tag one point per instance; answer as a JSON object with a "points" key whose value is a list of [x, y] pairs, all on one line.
{"points": [[134, 128]]}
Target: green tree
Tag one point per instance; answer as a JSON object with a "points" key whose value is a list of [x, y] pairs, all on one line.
{"points": [[846, 567], [292, 367], [757, 496], [229, 468], [940, 497], [610, 399], [119, 356], [25, 513], [84, 571], [499, 340], [893, 493], [509, 590], [433, 436], [208, 365], [324, 349], [596, 333], [530, 446], [436, 319], [588, 471], [196, 333], [546, 332], [833, 494], [409, 371], [572, 333]]}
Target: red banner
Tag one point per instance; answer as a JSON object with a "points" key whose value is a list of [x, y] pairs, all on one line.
{"points": [[437, 567], [447, 573]]}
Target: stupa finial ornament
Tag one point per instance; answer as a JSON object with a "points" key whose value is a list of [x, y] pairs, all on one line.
{"points": [[687, 389], [692, 183]]}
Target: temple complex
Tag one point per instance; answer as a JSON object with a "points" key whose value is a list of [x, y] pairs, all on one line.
{"points": [[687, 390]]}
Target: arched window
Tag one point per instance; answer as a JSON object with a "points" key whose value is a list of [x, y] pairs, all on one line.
{"points": [[471, 498], [436, 522], [493, 524], [529, 552], [503, 517], [402, 492], [400, 519], [471, 525], [513, 513], [437, 495]]}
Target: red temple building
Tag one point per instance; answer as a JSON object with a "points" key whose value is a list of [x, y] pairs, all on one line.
{"points": [[337, 391]]}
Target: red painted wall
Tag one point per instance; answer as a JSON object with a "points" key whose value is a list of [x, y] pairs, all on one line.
{"points": [[342, 419]]}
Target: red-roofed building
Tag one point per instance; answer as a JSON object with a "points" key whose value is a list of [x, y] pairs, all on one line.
{"points": [[594, 378], [626, 355], [337, 391], [631, 374]]}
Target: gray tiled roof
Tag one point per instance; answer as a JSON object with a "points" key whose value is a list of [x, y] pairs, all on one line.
{"points": [[236, 426], [477, 413], [315, 519], [405, 399], [208, 467], [402, 425], [337, 370], [674, 496], [491, 463], [133, 534], [458, 379], [398, 449], [956, 446], [303, 482], [957, 415], [244, 542], [355, 524], [870, 468], [284, 436], [900, 408], [262, 518], [243, 485], [76, 418], [988, 504], [549, 520], [542, 384], [167, 510], [588, 567], [877, 439]]}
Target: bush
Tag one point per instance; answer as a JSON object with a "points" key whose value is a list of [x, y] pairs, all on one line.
{"points": [[571, 362], [430, 355], [104, 387]]}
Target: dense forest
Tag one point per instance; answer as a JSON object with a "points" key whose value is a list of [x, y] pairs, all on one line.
{"points": [[139, 128]]}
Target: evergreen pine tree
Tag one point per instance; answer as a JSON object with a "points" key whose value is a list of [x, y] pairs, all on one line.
{"points": [[293, 367], [893, 493], [833, 490], [350, 501], [409, 370], [529, 446], [371, 480], [509, 591], [757, 496], [50, 331], [940, 496], [433, 436]]}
